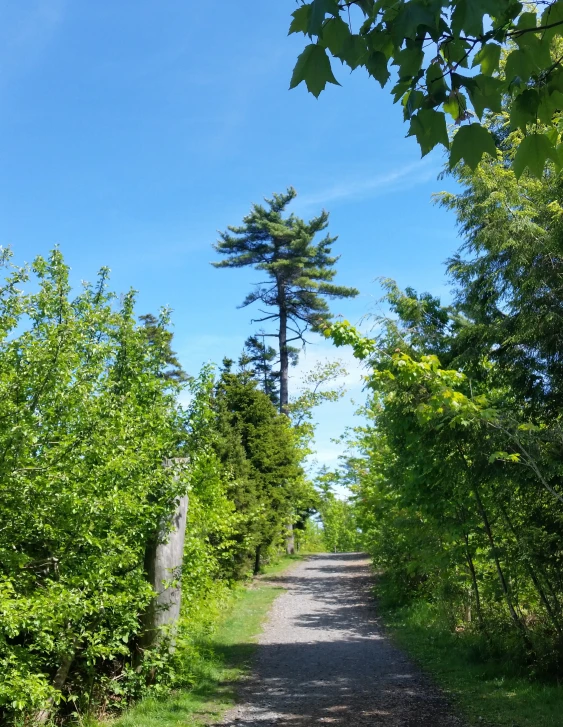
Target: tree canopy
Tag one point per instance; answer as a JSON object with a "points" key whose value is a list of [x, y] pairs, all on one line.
{"points": [[453, 61]]}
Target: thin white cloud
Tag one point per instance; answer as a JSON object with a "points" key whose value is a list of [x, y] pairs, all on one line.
{"points": [[353, 188]]}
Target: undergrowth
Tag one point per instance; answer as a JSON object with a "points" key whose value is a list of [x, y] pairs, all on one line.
{"points": [[485, 675], [209, 663]]}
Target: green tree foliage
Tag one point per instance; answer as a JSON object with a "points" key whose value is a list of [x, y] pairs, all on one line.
{"points": [[260, 449], [90, 410], [457, 473], [158, 335], [299, 272], [443, 58], [87, 419], [341, 531], [260, 359], [318, 386]]}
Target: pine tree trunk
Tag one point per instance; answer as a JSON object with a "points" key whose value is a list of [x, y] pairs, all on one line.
{"points": [[284, 389], [284, 357]]}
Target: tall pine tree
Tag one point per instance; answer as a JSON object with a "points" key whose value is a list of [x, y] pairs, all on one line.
{"points": [[298, 270]]}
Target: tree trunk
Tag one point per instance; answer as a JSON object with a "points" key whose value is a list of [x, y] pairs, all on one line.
{"points": [[61, 675], [531, 571], [163, 566], [474, 583], [500, 573], [284, 356], [493, 548], [257, 560], [284, 389]]}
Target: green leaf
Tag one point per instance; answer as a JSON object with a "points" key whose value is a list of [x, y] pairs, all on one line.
{"points": [[551, 102], [319, 10], [410, 17], [519, 67], [429, 128], [409, 61], [467, 16], [552, 14], [380, 40], [533, 152], [537, 51], [524, 109], [376, 65], [527, 21], [555, 82], [412, 101], [401, 88], [436, 83], [300, 22], [456, 105], [488, 57], [507, 14], [470, 143], [354, 51], [313, 67], [335, 35], [485, 92], [366, 6], [454, 51]]}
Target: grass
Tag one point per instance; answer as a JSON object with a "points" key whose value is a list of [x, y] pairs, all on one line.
{"points": [[229, 650], [487, 693]]}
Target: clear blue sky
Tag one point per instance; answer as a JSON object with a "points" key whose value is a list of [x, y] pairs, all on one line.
{"points": [[131, 131]]}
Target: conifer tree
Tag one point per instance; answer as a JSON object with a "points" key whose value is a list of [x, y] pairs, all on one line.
{"points": [[260, 449], [160, 337], [298, 271], [261, 360]]}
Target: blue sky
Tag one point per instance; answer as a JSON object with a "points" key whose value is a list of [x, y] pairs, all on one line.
{"points": [[131, 131]]}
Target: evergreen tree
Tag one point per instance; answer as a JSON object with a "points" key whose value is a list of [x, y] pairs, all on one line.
{"points": [[299, 272], [160, 337], [261, 360], [259, 448]]}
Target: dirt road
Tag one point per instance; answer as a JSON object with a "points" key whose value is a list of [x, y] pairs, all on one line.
{"points": [[324, 659]]}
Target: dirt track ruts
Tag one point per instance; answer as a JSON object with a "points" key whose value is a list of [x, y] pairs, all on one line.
{"points": [[323, 658]]}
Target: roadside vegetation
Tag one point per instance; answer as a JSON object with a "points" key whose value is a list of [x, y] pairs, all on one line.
{"points": [[91, 413], [455, 471], [219, 653], [479, 678]]}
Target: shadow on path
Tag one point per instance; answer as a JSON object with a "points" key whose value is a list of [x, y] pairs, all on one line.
{"points": [[324, 659]]}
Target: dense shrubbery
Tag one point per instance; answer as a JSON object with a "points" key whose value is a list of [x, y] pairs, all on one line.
{"points": [[89, 411]]}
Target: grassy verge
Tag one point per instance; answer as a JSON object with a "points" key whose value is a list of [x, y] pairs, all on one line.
{"points": [[487, 692], [228, 651]]}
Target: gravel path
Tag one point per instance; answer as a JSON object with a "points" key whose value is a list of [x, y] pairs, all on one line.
{"points": [[324, 659]]}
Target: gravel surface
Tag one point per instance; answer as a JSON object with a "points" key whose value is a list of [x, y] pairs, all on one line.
{"points": [[323, 658]]}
